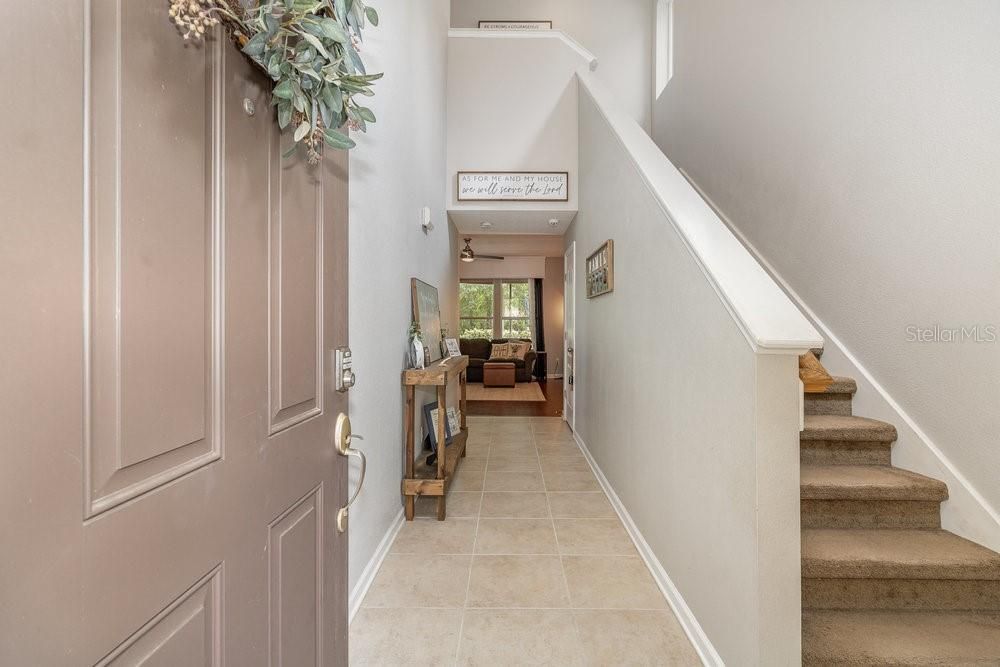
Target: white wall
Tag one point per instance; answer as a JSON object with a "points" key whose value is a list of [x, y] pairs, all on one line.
{"points": [[855, 144], [397, 168], [511, 107], [694, 429], [619, 33], [509, 267]]}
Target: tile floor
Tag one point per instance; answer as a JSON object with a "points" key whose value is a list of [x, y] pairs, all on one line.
{"points": [[532, 567]]}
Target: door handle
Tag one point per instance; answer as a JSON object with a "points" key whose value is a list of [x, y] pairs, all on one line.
{"points": [[342, 440]]}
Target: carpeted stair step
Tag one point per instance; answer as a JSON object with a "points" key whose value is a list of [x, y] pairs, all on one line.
{"points": [[900, 638], [897, 569], [846, 440], [836, 400], [851, 496]]}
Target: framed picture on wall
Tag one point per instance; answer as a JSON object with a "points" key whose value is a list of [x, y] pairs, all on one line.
{"points": [[515, 25], [601, 270]]}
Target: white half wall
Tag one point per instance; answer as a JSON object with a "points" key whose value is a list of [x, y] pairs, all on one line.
{"points": [[687, 393], [619, 33], [397, 168], [854, 145]]}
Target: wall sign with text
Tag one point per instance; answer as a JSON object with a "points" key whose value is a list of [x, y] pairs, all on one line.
{"points": [[515, 25], [513, 186]]}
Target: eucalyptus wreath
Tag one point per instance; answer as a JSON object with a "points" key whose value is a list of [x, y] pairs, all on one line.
{"points": [[309, 48]]}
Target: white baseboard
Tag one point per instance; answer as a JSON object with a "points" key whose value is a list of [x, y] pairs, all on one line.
{"points": [[966, 512], [554, 376], [709, 656], [371, 569]]}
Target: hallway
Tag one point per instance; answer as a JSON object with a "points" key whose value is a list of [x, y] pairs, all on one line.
{"points": [[532, 566]]}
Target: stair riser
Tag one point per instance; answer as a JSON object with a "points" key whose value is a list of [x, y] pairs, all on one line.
{"points": [[836, 452], [870, 514], [901, 594], [828, 404]]}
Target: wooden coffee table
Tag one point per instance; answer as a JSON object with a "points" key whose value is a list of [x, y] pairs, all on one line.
{"points": [[498, 374]]}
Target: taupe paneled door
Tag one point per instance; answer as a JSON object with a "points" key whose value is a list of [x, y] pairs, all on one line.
{"points": [[172, 291]]}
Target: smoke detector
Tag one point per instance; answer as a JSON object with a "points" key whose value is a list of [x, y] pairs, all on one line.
{"points": [[553, 223]]}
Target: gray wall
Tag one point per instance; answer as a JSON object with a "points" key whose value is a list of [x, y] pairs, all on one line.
{"points": [[619, 33], [552, 305], [394, 172], [857, 145]]}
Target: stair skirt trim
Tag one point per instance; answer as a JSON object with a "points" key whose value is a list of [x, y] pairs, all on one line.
{"points": [[360, 589], [966, 512], [709, 656]]}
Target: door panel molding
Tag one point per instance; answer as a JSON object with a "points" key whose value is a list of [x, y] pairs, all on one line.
{"points": [[295, 287], [188, 631], [295, 543], [153, 235]]}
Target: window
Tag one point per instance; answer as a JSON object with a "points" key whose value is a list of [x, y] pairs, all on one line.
{"points": [[664, 44], [475, 307], [516, 322], [495, 309]]}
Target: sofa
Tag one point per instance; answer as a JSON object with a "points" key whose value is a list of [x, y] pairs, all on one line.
{"points": [[478, 351]]}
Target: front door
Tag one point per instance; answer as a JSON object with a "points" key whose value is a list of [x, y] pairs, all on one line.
{"points": [[569, 335], [172, 292]]}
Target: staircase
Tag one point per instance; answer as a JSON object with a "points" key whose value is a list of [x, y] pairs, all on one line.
{"points": [[882, 583]]}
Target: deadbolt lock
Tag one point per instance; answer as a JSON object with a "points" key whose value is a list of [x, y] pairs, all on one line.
{"points": [[343, 371]]}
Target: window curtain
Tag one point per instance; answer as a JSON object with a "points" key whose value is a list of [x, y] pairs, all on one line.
{"points": [[539, 319]]}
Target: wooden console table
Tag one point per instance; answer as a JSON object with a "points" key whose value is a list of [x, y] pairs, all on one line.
{"points": [[424, 480]]}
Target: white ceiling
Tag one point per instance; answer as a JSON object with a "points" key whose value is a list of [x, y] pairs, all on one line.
{"points": [[511, 222]]}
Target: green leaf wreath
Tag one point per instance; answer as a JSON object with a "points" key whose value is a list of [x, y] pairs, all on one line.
{"points": [[309, 48]]}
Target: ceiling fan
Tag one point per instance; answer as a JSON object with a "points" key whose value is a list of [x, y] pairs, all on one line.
{"points": [[468, 255]]}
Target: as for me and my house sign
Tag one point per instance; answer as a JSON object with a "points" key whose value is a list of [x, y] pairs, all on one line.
{"points": [[513, 186]]}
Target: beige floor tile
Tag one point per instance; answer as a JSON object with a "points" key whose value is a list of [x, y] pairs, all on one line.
{"points": [[477, 449], [516, 536], [428, 581], [581, 506], [551, 464], [515, 505], [472, 464], [633, 638], [517, 581], [571, 481], [429, 536], [513, 441], [459, 505], [513, 432], [510, 449], [593, 536], [554, 439], [467, 480], [513, 463], [558, 449], [400, 637], [551, 425], [611, 582], [518, 637], [509, 482]]}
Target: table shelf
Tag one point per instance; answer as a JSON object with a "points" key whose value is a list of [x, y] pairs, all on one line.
{"points": [[424, 480]]}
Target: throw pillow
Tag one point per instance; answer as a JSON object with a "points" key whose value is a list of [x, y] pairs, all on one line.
{"points": [[519, 349], [500, 351]]}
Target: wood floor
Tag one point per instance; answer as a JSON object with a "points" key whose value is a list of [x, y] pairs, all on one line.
{"points": [[552, 407]]}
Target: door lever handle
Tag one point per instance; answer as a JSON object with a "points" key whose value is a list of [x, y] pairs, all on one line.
{"points": [[342, 440]]}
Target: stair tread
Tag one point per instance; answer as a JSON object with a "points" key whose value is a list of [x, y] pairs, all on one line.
{"points": [[861, 482], [847, 428], [894, 554], [842, 385], [894, 638]]}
